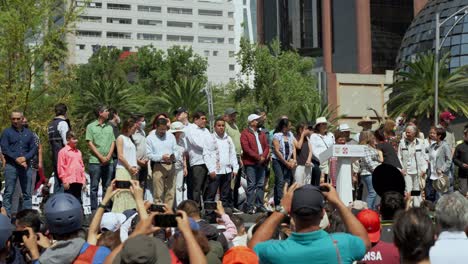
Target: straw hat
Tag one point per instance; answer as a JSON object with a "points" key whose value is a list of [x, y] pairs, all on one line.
{"points": [[366, 119]]}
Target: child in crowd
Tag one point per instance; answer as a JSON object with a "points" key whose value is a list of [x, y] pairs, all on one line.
{"points": [[70, 167]]}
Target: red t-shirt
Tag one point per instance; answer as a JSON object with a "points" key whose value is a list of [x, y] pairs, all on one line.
{"points": [[382, 252]]}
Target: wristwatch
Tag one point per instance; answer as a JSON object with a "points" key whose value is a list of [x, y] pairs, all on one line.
{"points": [[281, 209], [103, 206]]}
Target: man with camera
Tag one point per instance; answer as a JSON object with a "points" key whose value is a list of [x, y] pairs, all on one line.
{"points": [[305, 205]]}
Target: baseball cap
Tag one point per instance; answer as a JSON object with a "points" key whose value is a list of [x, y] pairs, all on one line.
{"points": [[253, 117], [371, 222], [112, 221], [308, 198], [446, 115], [230, 111], [180, 110], [143, 249], [240, 255], [6, 229]]}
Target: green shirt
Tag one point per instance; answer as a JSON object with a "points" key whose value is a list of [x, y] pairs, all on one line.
{"points": [[234, 133], [102, 137]]}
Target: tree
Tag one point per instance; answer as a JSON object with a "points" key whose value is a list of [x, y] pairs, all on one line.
{"points": [[413, 90], [158, 70], [280, 81], [32, 55], [187, 93]]}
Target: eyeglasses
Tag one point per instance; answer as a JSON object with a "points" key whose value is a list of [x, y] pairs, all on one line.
{"points": [[16, 118]]}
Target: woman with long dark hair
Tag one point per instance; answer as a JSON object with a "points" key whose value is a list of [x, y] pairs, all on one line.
{"points": [[127, 167], [284, 157], [303, 171]]}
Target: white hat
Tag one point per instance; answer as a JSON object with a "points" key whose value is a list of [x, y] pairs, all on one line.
{"points": [[344, 128], [253, 117], [320, 120], [177, 127], [112, 221]]}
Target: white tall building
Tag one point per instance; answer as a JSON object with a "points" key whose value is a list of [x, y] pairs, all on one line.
{"points": [[208, 26]]}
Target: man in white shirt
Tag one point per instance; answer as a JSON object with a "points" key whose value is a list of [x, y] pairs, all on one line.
{"points": [[412, 156], [160, 148], [452, 218], [221, 163], [197, 135]]}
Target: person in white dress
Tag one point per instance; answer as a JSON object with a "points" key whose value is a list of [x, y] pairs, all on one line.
{"points": [[177, 128]]}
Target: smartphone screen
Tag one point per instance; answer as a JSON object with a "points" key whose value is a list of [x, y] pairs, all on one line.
{"points": [[165, 220], [17, 236], [157, 208], [122, 184], [210, 205], [415, 193]]}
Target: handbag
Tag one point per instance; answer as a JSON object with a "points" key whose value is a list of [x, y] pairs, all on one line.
{"points": [[441, 185]]}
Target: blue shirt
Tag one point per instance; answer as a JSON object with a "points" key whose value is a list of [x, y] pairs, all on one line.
{"points": [[157, 146], [312, 247], [18, 143]]}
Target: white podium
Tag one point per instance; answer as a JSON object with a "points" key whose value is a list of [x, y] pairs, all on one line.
{"points": [[345, 155]]}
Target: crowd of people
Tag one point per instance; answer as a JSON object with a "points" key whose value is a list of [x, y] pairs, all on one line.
{"points": [[178, 193]]}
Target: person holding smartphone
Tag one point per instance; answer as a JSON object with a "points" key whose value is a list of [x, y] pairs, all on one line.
{"points": [[127, 167], [70, 167]]}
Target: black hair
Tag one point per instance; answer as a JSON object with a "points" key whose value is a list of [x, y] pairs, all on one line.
{"points": [[219, 118], [99, 109], [282, 123], [112, 113], [391, 203], [60, 109], [137, 116], [198, 115], [160, 121], [379, 134], [413, 234], [440, 131], [29, 218]]}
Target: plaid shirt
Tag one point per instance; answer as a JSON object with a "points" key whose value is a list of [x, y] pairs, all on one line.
{"points": [[370, 161]]}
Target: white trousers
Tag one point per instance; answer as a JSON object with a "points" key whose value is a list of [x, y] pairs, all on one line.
{"points": [[181, 189], [303, 174]]}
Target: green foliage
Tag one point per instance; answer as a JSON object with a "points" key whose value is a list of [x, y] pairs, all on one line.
{"points": [[413, 90], [186, 92], [158, 70], [309, 113], [281, 82]]}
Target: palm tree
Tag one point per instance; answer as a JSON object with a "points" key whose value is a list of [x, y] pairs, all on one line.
{"points": [[187, 93], [309, 113], [111, 93], [414, 88]]}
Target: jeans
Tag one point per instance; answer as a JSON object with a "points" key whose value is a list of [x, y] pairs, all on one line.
{"points": [[223, 182], [12, 173], [98, 172], [371, 194], [282, 175], [255, 185]]}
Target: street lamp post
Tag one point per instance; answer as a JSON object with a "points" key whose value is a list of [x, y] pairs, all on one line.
{"points": [[437, 47]]}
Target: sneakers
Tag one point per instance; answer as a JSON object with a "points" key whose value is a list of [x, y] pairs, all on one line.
{"points": [[236, 211], [262, 210]]}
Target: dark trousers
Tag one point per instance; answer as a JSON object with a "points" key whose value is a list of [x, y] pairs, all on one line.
{"points": [[237, 181], [98, 172], [255, 185], [197, 182], [282, 175], [58, 186], [316, 172], [75, 190], [223, 182], [142, 178]]}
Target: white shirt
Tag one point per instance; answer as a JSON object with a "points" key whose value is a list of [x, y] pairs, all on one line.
{"points": [[321, 143], [450, 247], [129, 152], [63, 128], [196, 140], [412, 156], [259, 144], [221, 155]]}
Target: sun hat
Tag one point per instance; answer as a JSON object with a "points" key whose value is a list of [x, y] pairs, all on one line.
{"points": [[365, 120], [320, 120], [177, 127]]}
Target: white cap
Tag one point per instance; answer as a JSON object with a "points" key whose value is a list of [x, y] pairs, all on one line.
{"points": [[253, 117], [320, 120], [112, 221], [344, 127]]}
